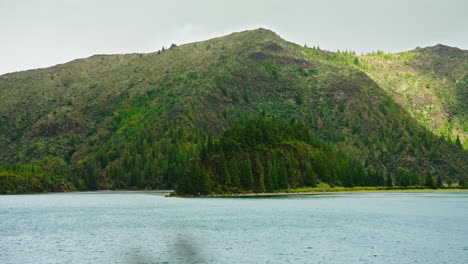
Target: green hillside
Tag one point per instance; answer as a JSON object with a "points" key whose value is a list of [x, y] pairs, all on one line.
{"points": [[431, 83], [136, 120]]}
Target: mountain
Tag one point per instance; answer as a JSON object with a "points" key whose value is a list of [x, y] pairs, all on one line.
{"points": [[136, 120]]}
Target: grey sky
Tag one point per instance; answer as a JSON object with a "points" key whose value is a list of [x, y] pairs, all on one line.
{"points": [[44, 33]]}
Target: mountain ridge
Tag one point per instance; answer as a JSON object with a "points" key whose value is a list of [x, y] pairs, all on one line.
{"points": [[260, 29]]}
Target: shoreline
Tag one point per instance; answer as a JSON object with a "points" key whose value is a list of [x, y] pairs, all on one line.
{"points": [[315, 192], [152, 192]]}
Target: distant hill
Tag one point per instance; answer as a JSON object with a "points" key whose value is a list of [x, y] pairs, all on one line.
{"points": [[136, 120]]}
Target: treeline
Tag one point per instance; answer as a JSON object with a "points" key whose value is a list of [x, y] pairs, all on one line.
{"points": [[268, 155], [276, 167]]}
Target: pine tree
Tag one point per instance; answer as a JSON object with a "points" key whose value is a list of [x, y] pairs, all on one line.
{"points": [[268, 182], [234, 171], [462, 183], [282, 176], [200, 180], [380, 179], [310, 177], [389, 181], [260, 185], [269, 185], [205, 183], [91, 175], [429, 182], [439, 182], [247, 178], [226, 175]]}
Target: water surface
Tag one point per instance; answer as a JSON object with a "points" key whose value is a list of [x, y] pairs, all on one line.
{"points": [[140, 227]]}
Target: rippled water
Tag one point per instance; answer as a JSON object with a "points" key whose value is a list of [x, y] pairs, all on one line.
{"points": [[139, 227]]}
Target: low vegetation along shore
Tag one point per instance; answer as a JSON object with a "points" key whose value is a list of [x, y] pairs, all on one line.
{"points": [[324, 188]]}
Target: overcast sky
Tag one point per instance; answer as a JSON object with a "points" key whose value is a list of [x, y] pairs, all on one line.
{"points": [[36, 34]]}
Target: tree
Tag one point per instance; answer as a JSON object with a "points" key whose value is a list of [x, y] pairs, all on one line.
{"points": [[200, 180], [271, 177], [458, 142], [91, 175], [205, 183], [260, 185], [380, 179], [188, 184], [429, 182], [462, 183], [310, 178], [247, 178], [283, 176], [234, 171], [225, 174], [439, 182], [356, 61], [389, 182]]}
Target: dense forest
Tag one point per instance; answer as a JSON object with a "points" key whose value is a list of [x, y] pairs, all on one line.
{"points": [[268, 155]]}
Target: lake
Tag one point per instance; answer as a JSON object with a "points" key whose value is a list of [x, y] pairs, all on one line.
{"points": [[142, 227]]}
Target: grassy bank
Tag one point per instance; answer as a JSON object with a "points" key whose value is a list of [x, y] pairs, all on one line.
{"points": [[326, 188], [323, 187]]}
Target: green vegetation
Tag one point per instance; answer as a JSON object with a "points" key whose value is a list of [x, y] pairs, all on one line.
{"points": [[143, 120], [270, 155], [52, 175], [431, 83], [326, 188]]}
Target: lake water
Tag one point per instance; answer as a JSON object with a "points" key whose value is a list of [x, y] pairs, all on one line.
{"points": [[140, 227]]}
